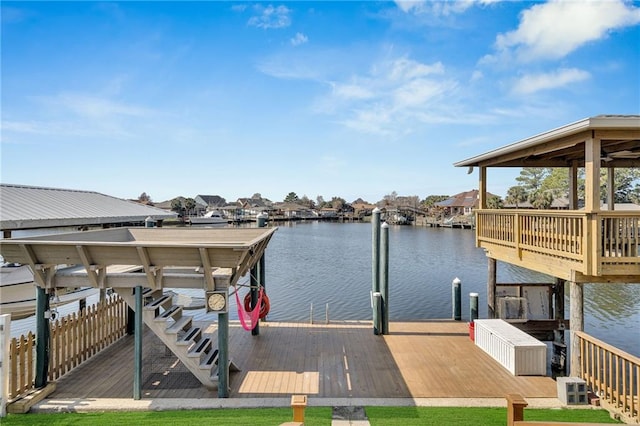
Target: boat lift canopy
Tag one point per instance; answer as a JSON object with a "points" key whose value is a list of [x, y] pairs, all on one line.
{"points": [[168, 257]]}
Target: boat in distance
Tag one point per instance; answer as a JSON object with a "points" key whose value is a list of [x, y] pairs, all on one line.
{"points": [[210, 218]]}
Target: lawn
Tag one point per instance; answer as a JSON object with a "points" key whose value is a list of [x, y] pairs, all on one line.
{"points": [[386, 416]]}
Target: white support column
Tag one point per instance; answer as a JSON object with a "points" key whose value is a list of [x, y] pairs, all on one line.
{"points": [[5, 341], [576, 320]]}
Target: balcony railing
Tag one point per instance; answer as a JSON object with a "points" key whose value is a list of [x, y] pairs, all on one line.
{"points": [[594, 244], [612, 374]]}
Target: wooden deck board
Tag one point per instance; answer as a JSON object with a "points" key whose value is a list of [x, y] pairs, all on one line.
{"points": [[416, 360]]}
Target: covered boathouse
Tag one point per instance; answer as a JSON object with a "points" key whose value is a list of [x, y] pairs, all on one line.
{"points": [[580, 245]]}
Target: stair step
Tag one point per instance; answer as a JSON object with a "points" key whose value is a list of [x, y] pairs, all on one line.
{"points": [[163, 302], [193, 334], [210, 360], [201, 348], [150, 294], [183, 323], [174, 312]]}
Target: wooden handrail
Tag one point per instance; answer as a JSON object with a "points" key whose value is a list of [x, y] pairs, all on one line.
{"points": [[618, 352]]}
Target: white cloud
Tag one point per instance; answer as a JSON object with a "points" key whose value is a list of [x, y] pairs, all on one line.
{"points": [[532, 83], [299, 39], [271, 17], [94, 107], [555, 29], [444, 8]]}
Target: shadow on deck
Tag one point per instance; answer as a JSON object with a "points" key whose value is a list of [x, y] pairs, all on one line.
{"points": [[434, 359]]}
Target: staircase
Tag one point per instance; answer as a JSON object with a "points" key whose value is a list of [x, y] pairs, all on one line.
{"points": [[178, 333]]}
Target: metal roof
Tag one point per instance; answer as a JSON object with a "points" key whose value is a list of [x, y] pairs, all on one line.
{"points": [[30, 207], [559, 147]]}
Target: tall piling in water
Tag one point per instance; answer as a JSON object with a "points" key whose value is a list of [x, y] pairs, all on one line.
{"points": [[375, 267]]}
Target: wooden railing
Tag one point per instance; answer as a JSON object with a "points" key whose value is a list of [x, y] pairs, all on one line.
{"points": [[73, 340], [566, 236], [612, 374]]}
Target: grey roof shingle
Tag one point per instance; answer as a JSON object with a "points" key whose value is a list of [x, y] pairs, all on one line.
{"points": [[29, 207]]}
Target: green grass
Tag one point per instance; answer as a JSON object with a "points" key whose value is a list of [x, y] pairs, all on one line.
{"points": [[385, 416], [406, 416]]}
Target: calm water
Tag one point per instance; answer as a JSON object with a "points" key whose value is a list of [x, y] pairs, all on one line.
{"points": [[330, 263]]}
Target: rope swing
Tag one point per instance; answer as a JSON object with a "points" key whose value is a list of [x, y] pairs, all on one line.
{"points": [[249, 317]]}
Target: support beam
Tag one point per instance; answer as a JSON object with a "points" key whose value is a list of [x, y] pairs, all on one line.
{"points": [[223, 355], [573, 186], [42, 337], [611, 189], [137, 373], [592, 175], [384, 276], [482, 188], [255, 283], [576, 323], [491, 288], [375, 264]]}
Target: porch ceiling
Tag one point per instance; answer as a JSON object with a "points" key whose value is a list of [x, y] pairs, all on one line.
{"points": [[564, 146]]}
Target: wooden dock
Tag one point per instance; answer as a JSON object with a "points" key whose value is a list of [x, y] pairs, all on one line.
{"points": [[337, 360]]}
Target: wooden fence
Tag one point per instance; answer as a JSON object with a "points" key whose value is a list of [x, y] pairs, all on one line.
{"points": [[73, 340], [612, 374]]}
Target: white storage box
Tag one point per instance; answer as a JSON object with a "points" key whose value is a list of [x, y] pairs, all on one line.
{"points": [[518, 352]]}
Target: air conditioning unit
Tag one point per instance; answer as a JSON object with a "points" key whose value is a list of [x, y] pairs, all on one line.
{"points": [[512, 308]]}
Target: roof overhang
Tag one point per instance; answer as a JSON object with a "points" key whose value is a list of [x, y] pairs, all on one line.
{"points": [[564, 146]]}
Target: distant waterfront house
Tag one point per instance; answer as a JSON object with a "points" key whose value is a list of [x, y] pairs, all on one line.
{"points": [[328, 212], [362, 208], [212, 202], [460, 204], [293, 211], [561, 203]]}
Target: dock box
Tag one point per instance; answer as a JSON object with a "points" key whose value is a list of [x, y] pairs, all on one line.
{"points": [[518, 352]]}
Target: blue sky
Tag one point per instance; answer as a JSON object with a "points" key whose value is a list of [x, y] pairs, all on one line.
{"points": [[349, 99]]}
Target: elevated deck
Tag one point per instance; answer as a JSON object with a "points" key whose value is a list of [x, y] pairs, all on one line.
{"points": [[572, 245], [338, 360]]}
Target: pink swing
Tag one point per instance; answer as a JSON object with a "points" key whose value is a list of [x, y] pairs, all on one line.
{"points": [[249, 319]]}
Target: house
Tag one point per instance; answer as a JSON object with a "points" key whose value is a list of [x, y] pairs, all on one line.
{"points": [[211, 202], [460, 204]]}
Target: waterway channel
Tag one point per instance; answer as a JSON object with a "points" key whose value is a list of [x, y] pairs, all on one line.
{"points": [[328, 266]]}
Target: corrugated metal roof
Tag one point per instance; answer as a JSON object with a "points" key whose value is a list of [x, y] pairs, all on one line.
{"points": [[29, 207]]}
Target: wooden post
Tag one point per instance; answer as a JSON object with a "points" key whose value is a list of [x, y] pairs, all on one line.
{"points": [[515, 408], [456, 298], [375, 262], [223, 355], [491, 289], [298, 403], [473, 307], [255, 283], [5, 342], [384, 276], [611, 190], [573, 186], [137, 367], [576, 323], [42, 337], [558, 360], [263, 281]]}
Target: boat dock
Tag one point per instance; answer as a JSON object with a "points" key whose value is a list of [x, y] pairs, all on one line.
{"points": [[434, 359]]}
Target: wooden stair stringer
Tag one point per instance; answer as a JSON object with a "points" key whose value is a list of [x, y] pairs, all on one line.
{"points": [[171, 331]]}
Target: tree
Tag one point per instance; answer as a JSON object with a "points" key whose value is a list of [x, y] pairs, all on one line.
{"points": [[144, 198], [291, 197], [305, 201], [431, 200], [189, 204], [320, 201], [625, 181], [516, 195], [531, 178], [338, 203], [256, 196], [176, 205], [541, 199], [494, 202], [390, 199]]}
